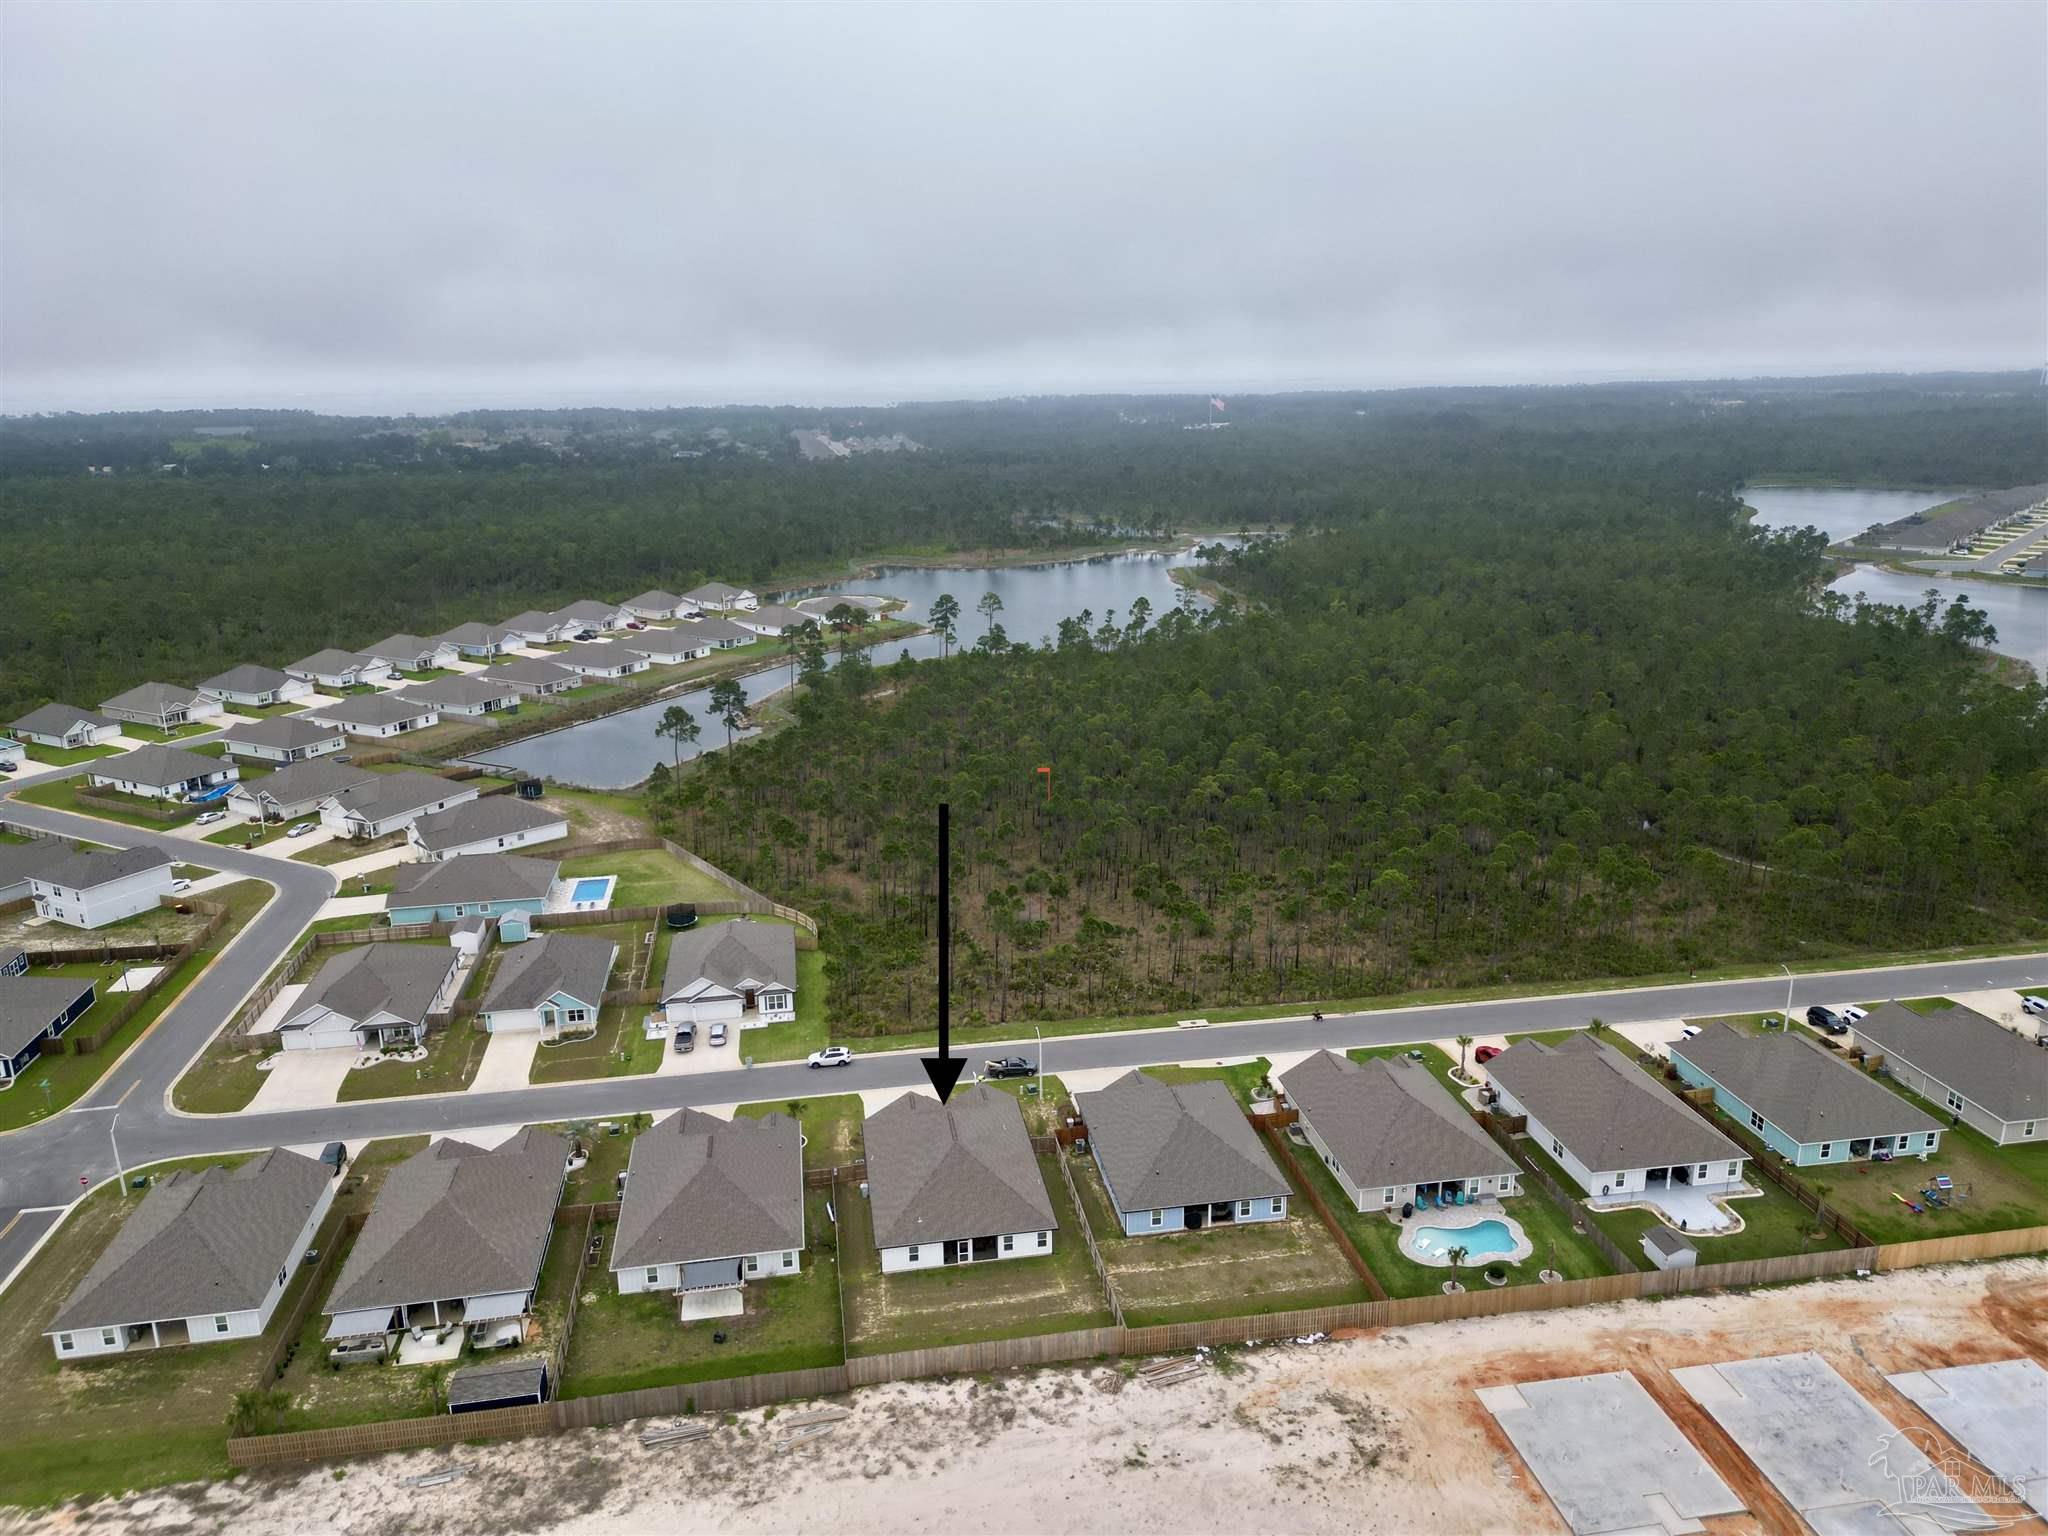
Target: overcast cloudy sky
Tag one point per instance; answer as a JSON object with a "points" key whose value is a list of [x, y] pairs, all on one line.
{"points": [[370, 207]]}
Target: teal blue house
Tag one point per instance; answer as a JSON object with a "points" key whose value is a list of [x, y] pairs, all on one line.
{"points": [[1807, 1104], [472, 885]]}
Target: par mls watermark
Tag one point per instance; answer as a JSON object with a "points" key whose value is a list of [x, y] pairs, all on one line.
{"points": [[1932, 1486]]}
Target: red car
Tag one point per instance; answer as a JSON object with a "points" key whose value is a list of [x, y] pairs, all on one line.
{"points": [[1485, 1053]]}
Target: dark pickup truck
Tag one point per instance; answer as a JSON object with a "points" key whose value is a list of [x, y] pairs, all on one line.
{"points": [[1008, 1066]]}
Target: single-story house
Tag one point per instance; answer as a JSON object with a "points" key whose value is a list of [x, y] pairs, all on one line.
{"points": [[335, 670], [667, 647], [552, 984], [489, 824], [588, 613], [653, 605], [1987, 1076], [536, 628], [738, 972], [378, 716], [163, 705], [93, 889], [954, 1183], [1177, 1156], [1808, 1104], [296, 791], [718, 597], [34, 1009], [390, 802], [457, 1237], [255, 687], [1392, 1134], [413, 653], [466, 693], [1608, 1124], [64, 727], [372, 996], [531, 676], [163, 773], [204, 1258], [604, 658], [711, 1204], [721, 634], [772, 619], [18, 861], [517, 1383], [481, 642], [478, 885], [284, 739]]}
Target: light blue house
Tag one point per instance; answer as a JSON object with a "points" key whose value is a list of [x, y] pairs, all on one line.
{"points": [[473, 885], [1179, 1156], [1806, 1103]]}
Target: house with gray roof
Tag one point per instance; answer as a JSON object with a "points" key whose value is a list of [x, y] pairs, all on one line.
{"points": [[551, 985], [204, 1258], [711, 1204], [412, 653], [954, 1183], [1621, 1136], [738, 972], [101, 886], [1806, 1103], [488, 824], [335, 670], [35, 1008], [532, 676], [255, 687], [385, 803], [603, 659], [466, 693], [668, 647], [372, 997], [1180, 1156], [475, 885], [772, 619], [534, 627], [18, 861], [1392, 1135], [654, 605], [296, 790], [719, 597], [166, 706], [64, 727], [159, 772], [720, 634], [284, 739], [589, 613], [1993, 1079], [480, 642], [457, 1236], [377, 716]]}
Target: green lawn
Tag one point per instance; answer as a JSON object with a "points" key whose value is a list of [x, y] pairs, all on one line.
{"points": [[265, 711], [429, 675], [1927, 1004], [1244, 1079], [648, 877], [238, 833], [190, 728], [831, 1126], [62, 795], [453, 1055], [608, 1155], [807, 1032], [1440, 1063], [622, 1343], [340, 850], [70, 757], [619, 1048]]}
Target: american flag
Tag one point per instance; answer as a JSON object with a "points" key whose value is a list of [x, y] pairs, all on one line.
{"points": [[1217, 405]]}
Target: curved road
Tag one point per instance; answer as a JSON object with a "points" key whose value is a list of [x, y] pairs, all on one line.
{"points": [[42, 1166]]}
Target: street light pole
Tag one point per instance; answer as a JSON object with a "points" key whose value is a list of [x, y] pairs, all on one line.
{"points": [[119, 1178], [1040, 1033], [1788, 992]]}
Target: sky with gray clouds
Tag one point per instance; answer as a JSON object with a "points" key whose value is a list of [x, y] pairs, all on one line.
{"points": [[373, 207]]}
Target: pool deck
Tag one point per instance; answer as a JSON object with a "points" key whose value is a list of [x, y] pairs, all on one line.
{"points": [[582, 893], [1456, 1219]]}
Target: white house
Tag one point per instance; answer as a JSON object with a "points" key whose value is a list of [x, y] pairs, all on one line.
{"points": [[413, 653], [655, 605], [372, 996], [603, 658], [159, 772], [488, 824], [954, 1183], [165, 706], [738, 972], [536, 628], [720, 634], [667, 647], [65, 727], [591, 614], [718, 597], [284, 739], [1180, 1156], [378, 716], [711, 1204], [295, 791], [255, 687], [336, 670], [204, 1258], [481, 642], [551, 985], [771, 619], [390, 802], [91, 890], [1976, 1069], [531, 676], [470, 694]]}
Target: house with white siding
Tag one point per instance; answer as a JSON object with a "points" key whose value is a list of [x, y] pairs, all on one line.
{"points": [[536, 628], [481, 642], [668, 647], [488, 824], [470, 694], [603, 659], [550, 986], [255, 687], [1993, 1079], [718, 597], [711, 1204], [721, 634], [377, 716], [390, 802], [166, 706], [93, 889], [372, 997], [413, 653], [954, 1183], [335, 671], [476, 885], [65, 727], [591, 614], [18, 861], [295, 791], [771, 619], [204, 1258], [531, 676], [654, 606], [742, 971], [159, 772], [1180, 1156], [284, 739]]}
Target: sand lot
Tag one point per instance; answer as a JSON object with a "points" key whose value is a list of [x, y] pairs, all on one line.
{"points": [[1377, 1433]]}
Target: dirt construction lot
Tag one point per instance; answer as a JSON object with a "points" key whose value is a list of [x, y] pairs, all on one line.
{"points": [[1379, 1433]]}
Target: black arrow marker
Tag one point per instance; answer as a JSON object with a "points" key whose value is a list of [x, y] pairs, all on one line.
{"points": [[944, 1068]]}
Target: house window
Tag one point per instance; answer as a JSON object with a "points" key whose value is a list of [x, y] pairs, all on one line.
{"points": [[1955, 1100], [1159, 1218], [1556, 1147], [1045, 1239], [64, 1341], [1387, 1197], [1756, 1121], [1279, 1205], [220, 1323], [1734, 1170], [460, 910], [282, 1275], [789, 1258], [577, 1015], [1244, 1207], [1932, 1138], [653, 1276], [753, 1264], [107, 1337], [1826, 1147], [913, 1253], [1702, 1173], [1009, 1242], [2027, 1129]]}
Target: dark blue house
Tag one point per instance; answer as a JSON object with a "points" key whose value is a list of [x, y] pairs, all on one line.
{"points": [[34, 1008]]}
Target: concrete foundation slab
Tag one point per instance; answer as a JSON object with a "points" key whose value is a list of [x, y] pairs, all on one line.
{"points": [[1999, 1414], [1608, 1456], [698, 1306]]}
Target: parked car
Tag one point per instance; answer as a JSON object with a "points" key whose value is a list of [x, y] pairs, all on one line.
{"points": [[586, 634], [335, 1156], [301, 828], [8, 767], [180, 885], [1008, 1066], [1851, 1014], [634, 624], [685, 1038], [1485, 1053], [831, 1056], [208, 818], [2037, 1006], [1826, 1020], [718, 1034], [1689, 1032]]}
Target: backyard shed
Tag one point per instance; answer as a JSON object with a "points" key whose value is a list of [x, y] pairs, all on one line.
{"points": [[502, 1384], [1669, 1249]]}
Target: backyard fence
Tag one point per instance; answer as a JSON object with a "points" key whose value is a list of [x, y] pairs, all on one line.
{"points": [[1962, 1248], [170, 962], [745, 899], [127, 805], [344, 1233], [1116, 1305], [265, 995], [1291, 1166], [1571, 1204]]}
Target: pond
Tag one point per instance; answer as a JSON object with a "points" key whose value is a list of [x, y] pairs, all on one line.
{"points": [[622, 749], [1840, 512]]}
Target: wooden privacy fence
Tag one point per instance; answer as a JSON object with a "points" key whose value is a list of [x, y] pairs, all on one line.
{"points": [[1116, 1304], [1291, 1166], [727, 1394], [745, 899], [345, 1232], [390, 1435], [1960, 1249], [168, 967], [265, 995], [129, 807], [1571, 1204]]}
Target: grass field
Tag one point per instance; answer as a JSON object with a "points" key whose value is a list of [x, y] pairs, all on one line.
{"points": [[340, 850], [70, 757], [1243, 1079], [453, 1054], [648, 877], [963, 1303], [62, 795], [831, 1126]]}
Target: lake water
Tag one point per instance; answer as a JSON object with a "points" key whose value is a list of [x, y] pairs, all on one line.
{"points": [[622, 749], [1838, 512]]}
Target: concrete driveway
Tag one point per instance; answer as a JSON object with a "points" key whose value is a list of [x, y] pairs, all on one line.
{"points": [[352, 906], [304, 1079], [508, 1058]]}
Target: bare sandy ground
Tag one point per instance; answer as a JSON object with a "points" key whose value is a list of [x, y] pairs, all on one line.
{"points": [[1376, 1433]]}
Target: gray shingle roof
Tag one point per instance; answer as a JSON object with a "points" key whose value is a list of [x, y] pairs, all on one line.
{"points": [[555, 963], [730, 954], [373, 709], [487, 816], [281, 733], [780, 617], [56, 719], [462, 689], [303, 782], [1604, 1108], [715, 592], [405, 649], [248, 678], [380, 796], [368, 979], [699, 1187], [499, 1382], [456, 1221], [18, 861], [82, 871], [937, 1172], [532, 619], [528, 669], [588, 611], [153, 698], [331, 660], [1800, 1086], [1391, 1122], [716, 629], [201, 1242], [1976, 1056], [472, 877], [1667, 1241], [683, 638], [657, 599], [1166, 1144], [474, 633], [156, 765], [602, 653], [31, 1004]]}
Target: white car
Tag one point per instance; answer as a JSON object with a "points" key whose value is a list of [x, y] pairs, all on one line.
{"points": [[300, 829], [717, 1035], [831, 1056], [2037, 1006], [1852, 1014], [180, 885], [208, 818]]}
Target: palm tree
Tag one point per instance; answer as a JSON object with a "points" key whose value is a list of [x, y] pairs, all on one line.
{"points": [[1463, 1042], [1457, 1257]]}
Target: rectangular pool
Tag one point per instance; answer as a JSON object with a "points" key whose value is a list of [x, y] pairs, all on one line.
{"points": [[591, 890]]}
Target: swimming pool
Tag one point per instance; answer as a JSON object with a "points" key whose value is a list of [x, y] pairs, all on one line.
{"points": [[1481, 1240], [595, 889]]}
